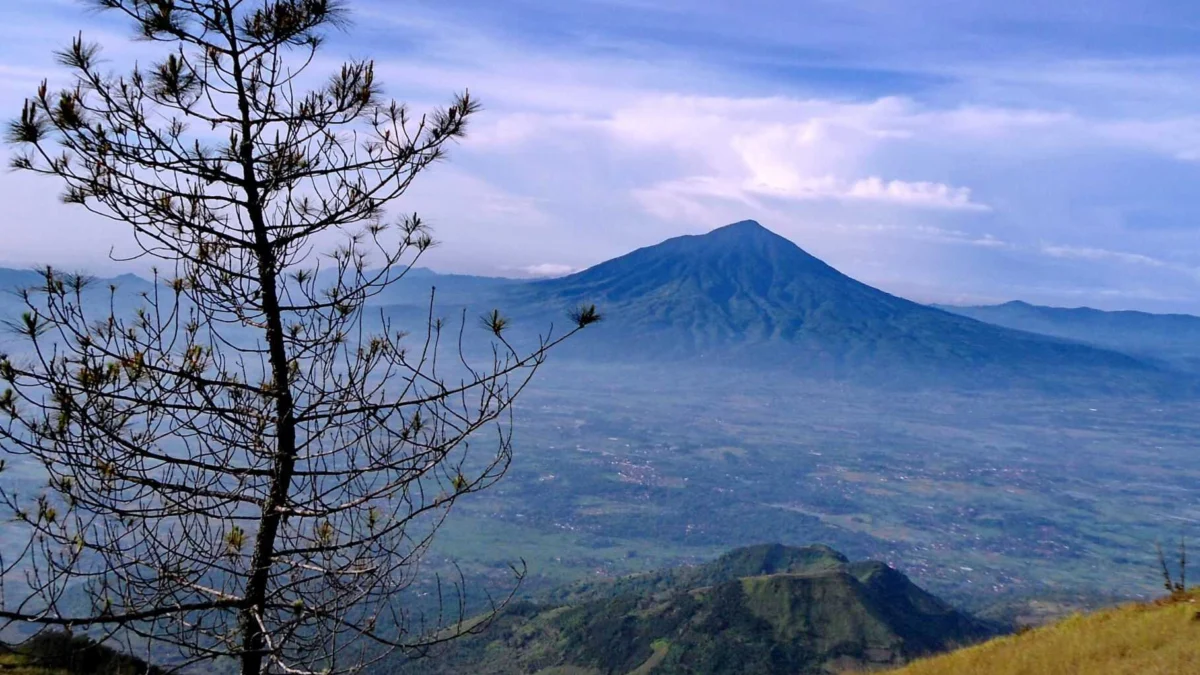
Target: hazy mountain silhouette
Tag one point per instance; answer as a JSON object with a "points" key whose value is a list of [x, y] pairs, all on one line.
{"points": [[123, 293], [744, 294], [1170, 338]]}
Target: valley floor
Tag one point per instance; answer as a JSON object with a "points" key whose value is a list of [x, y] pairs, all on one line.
{"points": [[987, 499]]}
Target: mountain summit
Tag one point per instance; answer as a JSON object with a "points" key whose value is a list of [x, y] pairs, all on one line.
{"points": [[742, 293], [740, 262]]}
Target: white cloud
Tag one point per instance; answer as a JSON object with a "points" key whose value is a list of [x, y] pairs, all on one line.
{"points": [[928, 233], [1175, 137], [919, 194], [1189, 271], [684, 199], [778, 148], [548, 270], [1091, 253]]}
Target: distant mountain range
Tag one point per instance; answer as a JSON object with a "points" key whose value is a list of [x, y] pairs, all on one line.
{"points": [[1172, 339], [743, 296], [757, 610]]}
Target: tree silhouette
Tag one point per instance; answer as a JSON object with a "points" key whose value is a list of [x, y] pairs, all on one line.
{"points": [[248, 464]]}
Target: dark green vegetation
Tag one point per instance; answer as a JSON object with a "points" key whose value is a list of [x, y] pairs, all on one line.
{"points": [[59, 653], [763, 609]]}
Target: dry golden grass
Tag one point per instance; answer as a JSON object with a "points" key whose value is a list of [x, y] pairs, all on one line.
{"points": [[1144, 639]]}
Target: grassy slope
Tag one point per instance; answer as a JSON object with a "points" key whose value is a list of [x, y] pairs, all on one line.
{"points": [[1139, 639]]}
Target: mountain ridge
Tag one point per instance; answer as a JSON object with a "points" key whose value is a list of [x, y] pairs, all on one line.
{"points": [[1170, 339]]}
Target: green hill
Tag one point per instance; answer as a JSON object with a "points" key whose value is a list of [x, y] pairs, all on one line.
{"points": [[763, 609]]}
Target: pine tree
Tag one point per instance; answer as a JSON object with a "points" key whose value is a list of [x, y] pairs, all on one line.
{"points": [[246, 466]]}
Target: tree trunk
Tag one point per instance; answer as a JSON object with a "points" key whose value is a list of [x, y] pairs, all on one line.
{"points": [[254, 642]]}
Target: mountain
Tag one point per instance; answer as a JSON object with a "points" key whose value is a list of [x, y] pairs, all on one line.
{"points": [[11, 279], [742, 295], [763, 609], [98, 297], [1170, 338]]}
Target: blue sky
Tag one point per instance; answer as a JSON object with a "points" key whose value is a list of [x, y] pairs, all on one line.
{"points": [[960, 151]]}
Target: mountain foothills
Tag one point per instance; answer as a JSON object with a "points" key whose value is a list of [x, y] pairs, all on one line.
{"points": [[761, 609]]}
